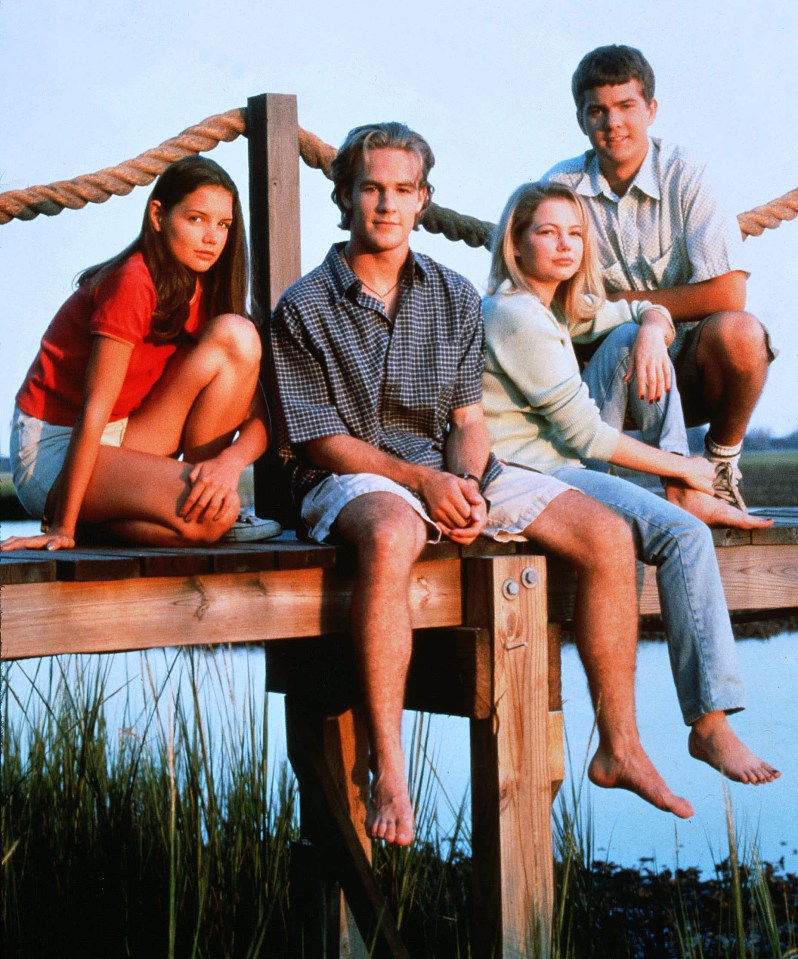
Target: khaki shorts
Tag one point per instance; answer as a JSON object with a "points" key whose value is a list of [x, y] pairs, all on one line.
{"points": [[38, 450], [517, 497]]}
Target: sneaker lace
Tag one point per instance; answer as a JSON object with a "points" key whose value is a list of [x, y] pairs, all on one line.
{"points": [[727, 485]]}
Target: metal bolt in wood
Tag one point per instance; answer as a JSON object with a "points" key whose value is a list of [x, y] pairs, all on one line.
{"points": [[529, 577], [510, 589]]}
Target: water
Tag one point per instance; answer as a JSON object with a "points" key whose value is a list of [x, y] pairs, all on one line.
{"points": [[627, 830]]}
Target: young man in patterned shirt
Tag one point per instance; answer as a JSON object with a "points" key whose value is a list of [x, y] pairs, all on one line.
{"points": [[378, 361], [664, 237]]}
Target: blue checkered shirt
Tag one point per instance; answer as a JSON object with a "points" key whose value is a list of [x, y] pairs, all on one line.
{"points": [[343, 366]]}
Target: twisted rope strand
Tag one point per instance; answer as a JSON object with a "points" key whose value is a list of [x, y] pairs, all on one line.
{"points": [[120, 180], [769, 215]]}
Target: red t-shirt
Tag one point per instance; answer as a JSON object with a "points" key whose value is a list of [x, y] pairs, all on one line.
{"points": [[120, 308]]}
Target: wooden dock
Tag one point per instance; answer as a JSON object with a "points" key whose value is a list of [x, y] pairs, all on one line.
{"points": [[486, 646]]}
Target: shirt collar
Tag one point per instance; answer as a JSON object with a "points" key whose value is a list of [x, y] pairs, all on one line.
{"points": [[594, 182], [346, 279]]}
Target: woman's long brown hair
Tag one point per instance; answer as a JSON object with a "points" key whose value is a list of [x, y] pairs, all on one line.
{"points": [[224, 285]]}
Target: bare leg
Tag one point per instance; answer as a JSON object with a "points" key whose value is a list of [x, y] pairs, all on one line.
{"points": [[599, 545], [388, 536], [714, 742], [137, 496], [203, 395], [733, 360]]}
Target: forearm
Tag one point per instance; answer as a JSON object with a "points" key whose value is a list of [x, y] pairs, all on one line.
{"points": [[693, 301], [632, 454], [467, 449], [342, 453], [81, 458]]}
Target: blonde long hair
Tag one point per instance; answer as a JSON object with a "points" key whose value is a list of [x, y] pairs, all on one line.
{"points": [[579, 298]]}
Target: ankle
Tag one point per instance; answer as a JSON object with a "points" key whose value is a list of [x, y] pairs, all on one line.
{"points": [[717, 452]]}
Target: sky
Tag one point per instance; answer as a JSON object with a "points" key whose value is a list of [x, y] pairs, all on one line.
{"points": [[89, 84]]}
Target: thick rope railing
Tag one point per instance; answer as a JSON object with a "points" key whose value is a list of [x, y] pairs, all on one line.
{"points": [[224, 127]]}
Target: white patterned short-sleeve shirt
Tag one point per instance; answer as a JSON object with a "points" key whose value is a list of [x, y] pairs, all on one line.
{"points": [[668, 229]]}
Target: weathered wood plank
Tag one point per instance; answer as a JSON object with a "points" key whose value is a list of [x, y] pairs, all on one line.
{"points": [[450, 672], [556, 731], [346, 752], [42, 619], [19, 567], [757, 576], [510, 775]]}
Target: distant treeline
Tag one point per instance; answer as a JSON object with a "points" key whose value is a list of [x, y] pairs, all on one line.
{"points": [[762, 440]]}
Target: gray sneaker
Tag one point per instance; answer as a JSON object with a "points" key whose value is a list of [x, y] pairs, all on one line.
{"points": [[728, 480], [249, 528]]}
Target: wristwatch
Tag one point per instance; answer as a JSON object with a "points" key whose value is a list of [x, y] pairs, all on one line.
{"points": [[469, 476]]}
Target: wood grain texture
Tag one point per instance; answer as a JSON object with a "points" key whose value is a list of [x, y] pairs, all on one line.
{"points": [[510, 774], [42, 619]]}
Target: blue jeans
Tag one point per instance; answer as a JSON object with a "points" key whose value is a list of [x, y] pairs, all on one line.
{"points": [[700, 641], [661, 423]]}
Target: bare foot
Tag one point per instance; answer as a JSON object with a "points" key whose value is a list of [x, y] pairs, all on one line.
{"points": [[635, 771], [713, 511], [390, 812], [713, 741]]}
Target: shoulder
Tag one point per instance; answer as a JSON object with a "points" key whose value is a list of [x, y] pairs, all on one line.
{"points": [[443, 277], [312, 292], [568, 171], [131, 280], [675, 162], [508, 309]]}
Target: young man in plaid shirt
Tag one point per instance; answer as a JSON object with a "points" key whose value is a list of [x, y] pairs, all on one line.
{"points": [[378, 359]]}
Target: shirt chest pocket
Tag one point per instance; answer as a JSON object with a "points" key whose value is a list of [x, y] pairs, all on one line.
{"points": [[669, 269]]}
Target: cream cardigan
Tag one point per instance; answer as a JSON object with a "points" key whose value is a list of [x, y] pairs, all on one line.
{"points": [[538, 410]]}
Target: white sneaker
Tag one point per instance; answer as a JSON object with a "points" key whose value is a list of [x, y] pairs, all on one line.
{"points": [[728, 480], [249, 528]]}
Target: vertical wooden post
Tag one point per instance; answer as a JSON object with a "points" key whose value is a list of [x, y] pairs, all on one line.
{"points": [[510, 776], [273, 135], [345, 745], [327, 811]]}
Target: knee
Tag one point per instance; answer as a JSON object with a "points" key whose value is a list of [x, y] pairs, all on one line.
{"points": [[237, 337], [736, 341], [211, 531], [606, 541], [623, 337], [391, 543]]}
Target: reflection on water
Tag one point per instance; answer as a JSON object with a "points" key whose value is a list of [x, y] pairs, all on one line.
{"points": [[626, 829]]}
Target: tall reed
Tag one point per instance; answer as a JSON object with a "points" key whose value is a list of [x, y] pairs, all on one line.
{"points": [[139, 816]]}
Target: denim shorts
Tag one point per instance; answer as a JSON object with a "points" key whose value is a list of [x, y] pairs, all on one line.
{"points": [[517, 497], [38, 450]]}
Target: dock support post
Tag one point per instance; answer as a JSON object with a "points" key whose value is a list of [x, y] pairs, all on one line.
{"points": [[273, 135], [510, 774], [327, 812]]}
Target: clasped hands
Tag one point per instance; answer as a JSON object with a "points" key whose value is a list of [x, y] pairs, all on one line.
{"points": [[455, 505]]}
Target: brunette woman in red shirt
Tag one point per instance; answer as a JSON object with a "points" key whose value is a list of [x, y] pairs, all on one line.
{"points": [[143, 406]]}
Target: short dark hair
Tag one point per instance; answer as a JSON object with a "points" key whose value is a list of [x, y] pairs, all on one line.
{"points": [[611, 66], [377, 136]]}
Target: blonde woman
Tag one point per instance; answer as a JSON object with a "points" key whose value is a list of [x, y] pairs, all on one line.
{"points": [[545, 289]]}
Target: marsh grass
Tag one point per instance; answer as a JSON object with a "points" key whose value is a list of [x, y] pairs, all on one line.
{"points": [[144, 820]]}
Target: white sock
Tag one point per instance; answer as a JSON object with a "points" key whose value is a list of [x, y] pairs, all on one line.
{"points": [[715, 452]]}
